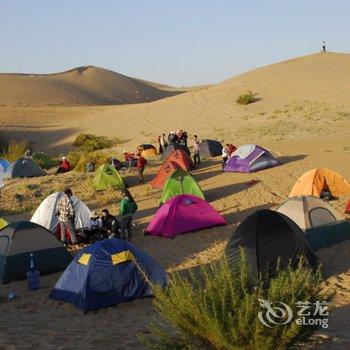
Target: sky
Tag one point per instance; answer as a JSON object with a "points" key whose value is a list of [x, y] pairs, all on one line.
{"points": [[180, 43]]}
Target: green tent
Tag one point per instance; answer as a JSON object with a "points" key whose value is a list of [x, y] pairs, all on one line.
{"points": [[106, 177], [181, 182]]}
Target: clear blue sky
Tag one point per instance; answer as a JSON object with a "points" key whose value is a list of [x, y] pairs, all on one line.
{"points": [[182, 42]]}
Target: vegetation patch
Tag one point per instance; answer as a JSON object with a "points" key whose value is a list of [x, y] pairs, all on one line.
{"points": [[15, 150], [246, 99], [218, 308], [79, 159]]}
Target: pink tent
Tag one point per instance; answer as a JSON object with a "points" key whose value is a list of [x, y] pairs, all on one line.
{"points": [[181, 214]]}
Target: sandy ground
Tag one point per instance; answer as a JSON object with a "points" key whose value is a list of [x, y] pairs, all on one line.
{"points": [[304, 120]]}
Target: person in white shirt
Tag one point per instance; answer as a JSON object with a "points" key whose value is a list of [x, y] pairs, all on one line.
{"points": [[196, 151], [225, 154]]}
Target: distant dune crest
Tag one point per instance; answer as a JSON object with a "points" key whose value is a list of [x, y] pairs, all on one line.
{"points": [[87, 85]]}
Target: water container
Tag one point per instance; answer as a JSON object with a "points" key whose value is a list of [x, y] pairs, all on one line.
{"points": [[33, 276], [33, 280]]}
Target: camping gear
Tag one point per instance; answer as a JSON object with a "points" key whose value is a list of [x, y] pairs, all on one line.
{"points": [[3, 223], [173, 147], [250, 158], [163, 174], [90, 167], [106, 273], [347, 209], [309, 212], [270, 239], [33, 276], [4, 163], [210, 148], [315, 181], [24, 167], [45, 213], [148, 151], [181, 158], [107, 177], [180, 182], [181, 214], [18, 240]]}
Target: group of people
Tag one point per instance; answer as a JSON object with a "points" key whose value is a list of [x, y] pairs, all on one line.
{"points": [[179, 136], [100, 227], [227, 151]]}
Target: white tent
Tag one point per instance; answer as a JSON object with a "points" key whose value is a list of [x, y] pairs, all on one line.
{"points": [[1, 176], [309, 212], [45, 213]]}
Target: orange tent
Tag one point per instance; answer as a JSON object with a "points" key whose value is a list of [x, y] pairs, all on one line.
{"points": [[163, 173], [347, 208], [181, 158], [147, 151], [315, 181]]}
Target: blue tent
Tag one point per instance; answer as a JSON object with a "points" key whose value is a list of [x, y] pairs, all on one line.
{"points": [[4, 163], [106, 273]]}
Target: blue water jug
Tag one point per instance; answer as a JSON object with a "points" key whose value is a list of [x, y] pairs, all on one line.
{"points": [[33, 276]]}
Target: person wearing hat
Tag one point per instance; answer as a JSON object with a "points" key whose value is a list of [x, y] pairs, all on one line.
{"points": [[63, 166], [66, 217]]}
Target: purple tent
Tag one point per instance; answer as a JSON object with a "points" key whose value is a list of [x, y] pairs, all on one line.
{"points": [[181, 214], [250, 158]]}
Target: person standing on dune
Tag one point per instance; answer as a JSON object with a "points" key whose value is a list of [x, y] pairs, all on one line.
{"points": [[196, 151], [323, 46]]}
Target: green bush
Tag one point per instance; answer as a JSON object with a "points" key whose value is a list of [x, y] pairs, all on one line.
{"points": [[15, 150], [218, 308], [44, 161], [78, 160], [90, 143], [246, 99]]}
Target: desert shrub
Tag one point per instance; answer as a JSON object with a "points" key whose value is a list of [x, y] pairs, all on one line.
{"points": [[15, 150], [79, 160], [246, 99], [90, 142], [44, 161], [217, 308]]}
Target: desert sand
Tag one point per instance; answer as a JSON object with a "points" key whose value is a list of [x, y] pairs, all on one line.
{"points": [[302, 115]]}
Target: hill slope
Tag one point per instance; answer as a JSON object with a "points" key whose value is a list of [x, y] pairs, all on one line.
{"points": [[84, 85]]}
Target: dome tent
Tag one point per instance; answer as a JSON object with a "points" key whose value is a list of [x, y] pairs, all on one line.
{"points": [[182, 214], [24, 167], [3, 223], [180, 182], [4, 163], [270, 239], [45, 213], [163, 174], [173, 147], [250, 158], [210, 148], [315, 181], [18, 240], [147, 151], [107, 177], [106, 273]]}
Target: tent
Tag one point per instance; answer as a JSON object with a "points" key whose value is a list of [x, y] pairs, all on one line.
{"points": [[309, 212], [163, 174], [148, 151], [181, 214], [250, 158], [269, 238], [24, 167], [18, 240], [107, 177], [45, 213], [173, 147], [210, 148], [181, 158], [106, 273], [347, 208], [1, 176], [4, 163], [315, 181], [3, 223], [181, 182]]}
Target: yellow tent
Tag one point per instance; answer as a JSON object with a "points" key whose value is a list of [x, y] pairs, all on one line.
{"points": [[147, 151], [3, 223], [315, 181]]}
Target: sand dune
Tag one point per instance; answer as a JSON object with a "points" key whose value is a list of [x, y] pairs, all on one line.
{"points": [[84, 85]]}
